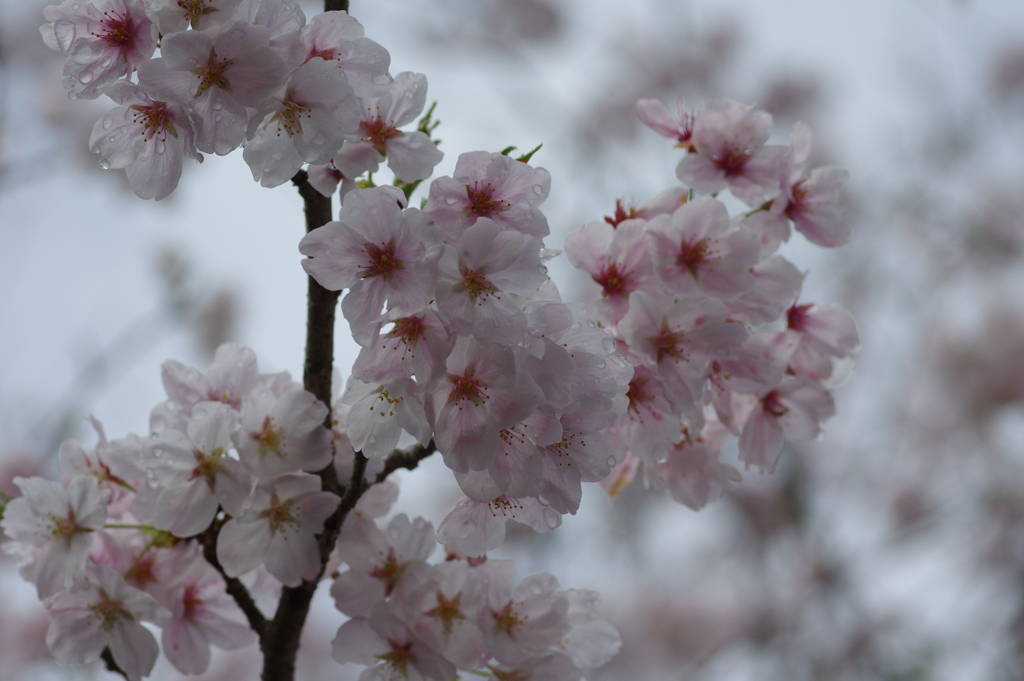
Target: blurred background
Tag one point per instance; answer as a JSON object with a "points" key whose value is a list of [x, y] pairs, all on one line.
{"points": [[892, 549]]}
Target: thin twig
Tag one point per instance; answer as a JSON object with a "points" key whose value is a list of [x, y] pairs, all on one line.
{"points": [[237, 590]]}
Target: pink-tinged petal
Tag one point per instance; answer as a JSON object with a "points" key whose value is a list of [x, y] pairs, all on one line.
{"points": [[134, 649], [357, 643], [293, 556], [186, 510], [186, 647], [761, 440], [154, 175], [241, 547], [412, 156]]}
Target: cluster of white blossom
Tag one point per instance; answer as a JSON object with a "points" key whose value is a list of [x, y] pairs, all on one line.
{"points": [[466, 347]]}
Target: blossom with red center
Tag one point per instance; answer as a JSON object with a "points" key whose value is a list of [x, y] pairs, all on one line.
{"points": [[616, 258], [411, 155], [377, 250], [481, 394], [729, 138], [282, 433], [493, 186], [417, 345], [477, 277], [696, 248], [655, 115], [104, 40], [305, 122], [792, 411], [216, 78], [338, 38]]}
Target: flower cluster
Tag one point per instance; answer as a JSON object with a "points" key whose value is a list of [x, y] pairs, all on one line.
{"points": [[706, 311], [412, 619], [233, 72], [228, 453], [696, 334]]}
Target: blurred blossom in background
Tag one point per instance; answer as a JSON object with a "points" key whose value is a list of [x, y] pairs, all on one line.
{"points": [[893, 549]]}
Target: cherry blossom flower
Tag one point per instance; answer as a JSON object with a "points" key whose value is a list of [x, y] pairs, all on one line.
{"points": [[693, 473], [202, 613], [277, 529], [305, 122], [58, 521], [730, 138], [479, 396], [390, 648], [616, 258], [216, 78], [472, 528], [379, 560], [101, 611], [282, 434], [695, 250], [104, 40], [416, 345], [149, 139], [655, 115], [381, 412], [193, 474], [377, 250], [526, 622], [493, 186], [476, 277], [792, 411], [338, 38], [412, 155], [173, 16]]}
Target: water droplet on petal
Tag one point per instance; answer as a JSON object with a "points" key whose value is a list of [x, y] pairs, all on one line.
{"points": [[608, 344], [161, 146], [113, 139], [108, 122], [217, 117], [576, 326], [158, 451], [72, 95], [542, 269], [591, 324], [537, 189], [451, 200], [86, 77], [237, 35], [105, 164], [611, 461], [319, 139], [217, 106], [222, 147], [76, 6]]}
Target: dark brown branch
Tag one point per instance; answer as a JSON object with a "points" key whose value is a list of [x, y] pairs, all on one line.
{"points": [[237, 590], [405, 459], [112, 666], [335, 5]]}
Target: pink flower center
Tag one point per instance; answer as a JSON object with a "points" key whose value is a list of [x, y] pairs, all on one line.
{"points": [[118, 31], [65, 528], [476, 285], [448, 611], [797, 317], [505, 505], [506, 619], [213, 74], [668, 343], [772, 404], [142, 572], [108, 612], [191, 601], [693, 254], [465, 388], [733, 160], [389, 572], [378, 132], [279, 514], [622, 214], [290, 118], [398, 657], [641, 399], [482, 203], [614, 281], [381, 260], [155, 119], [207, 465], [271, 438]]}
